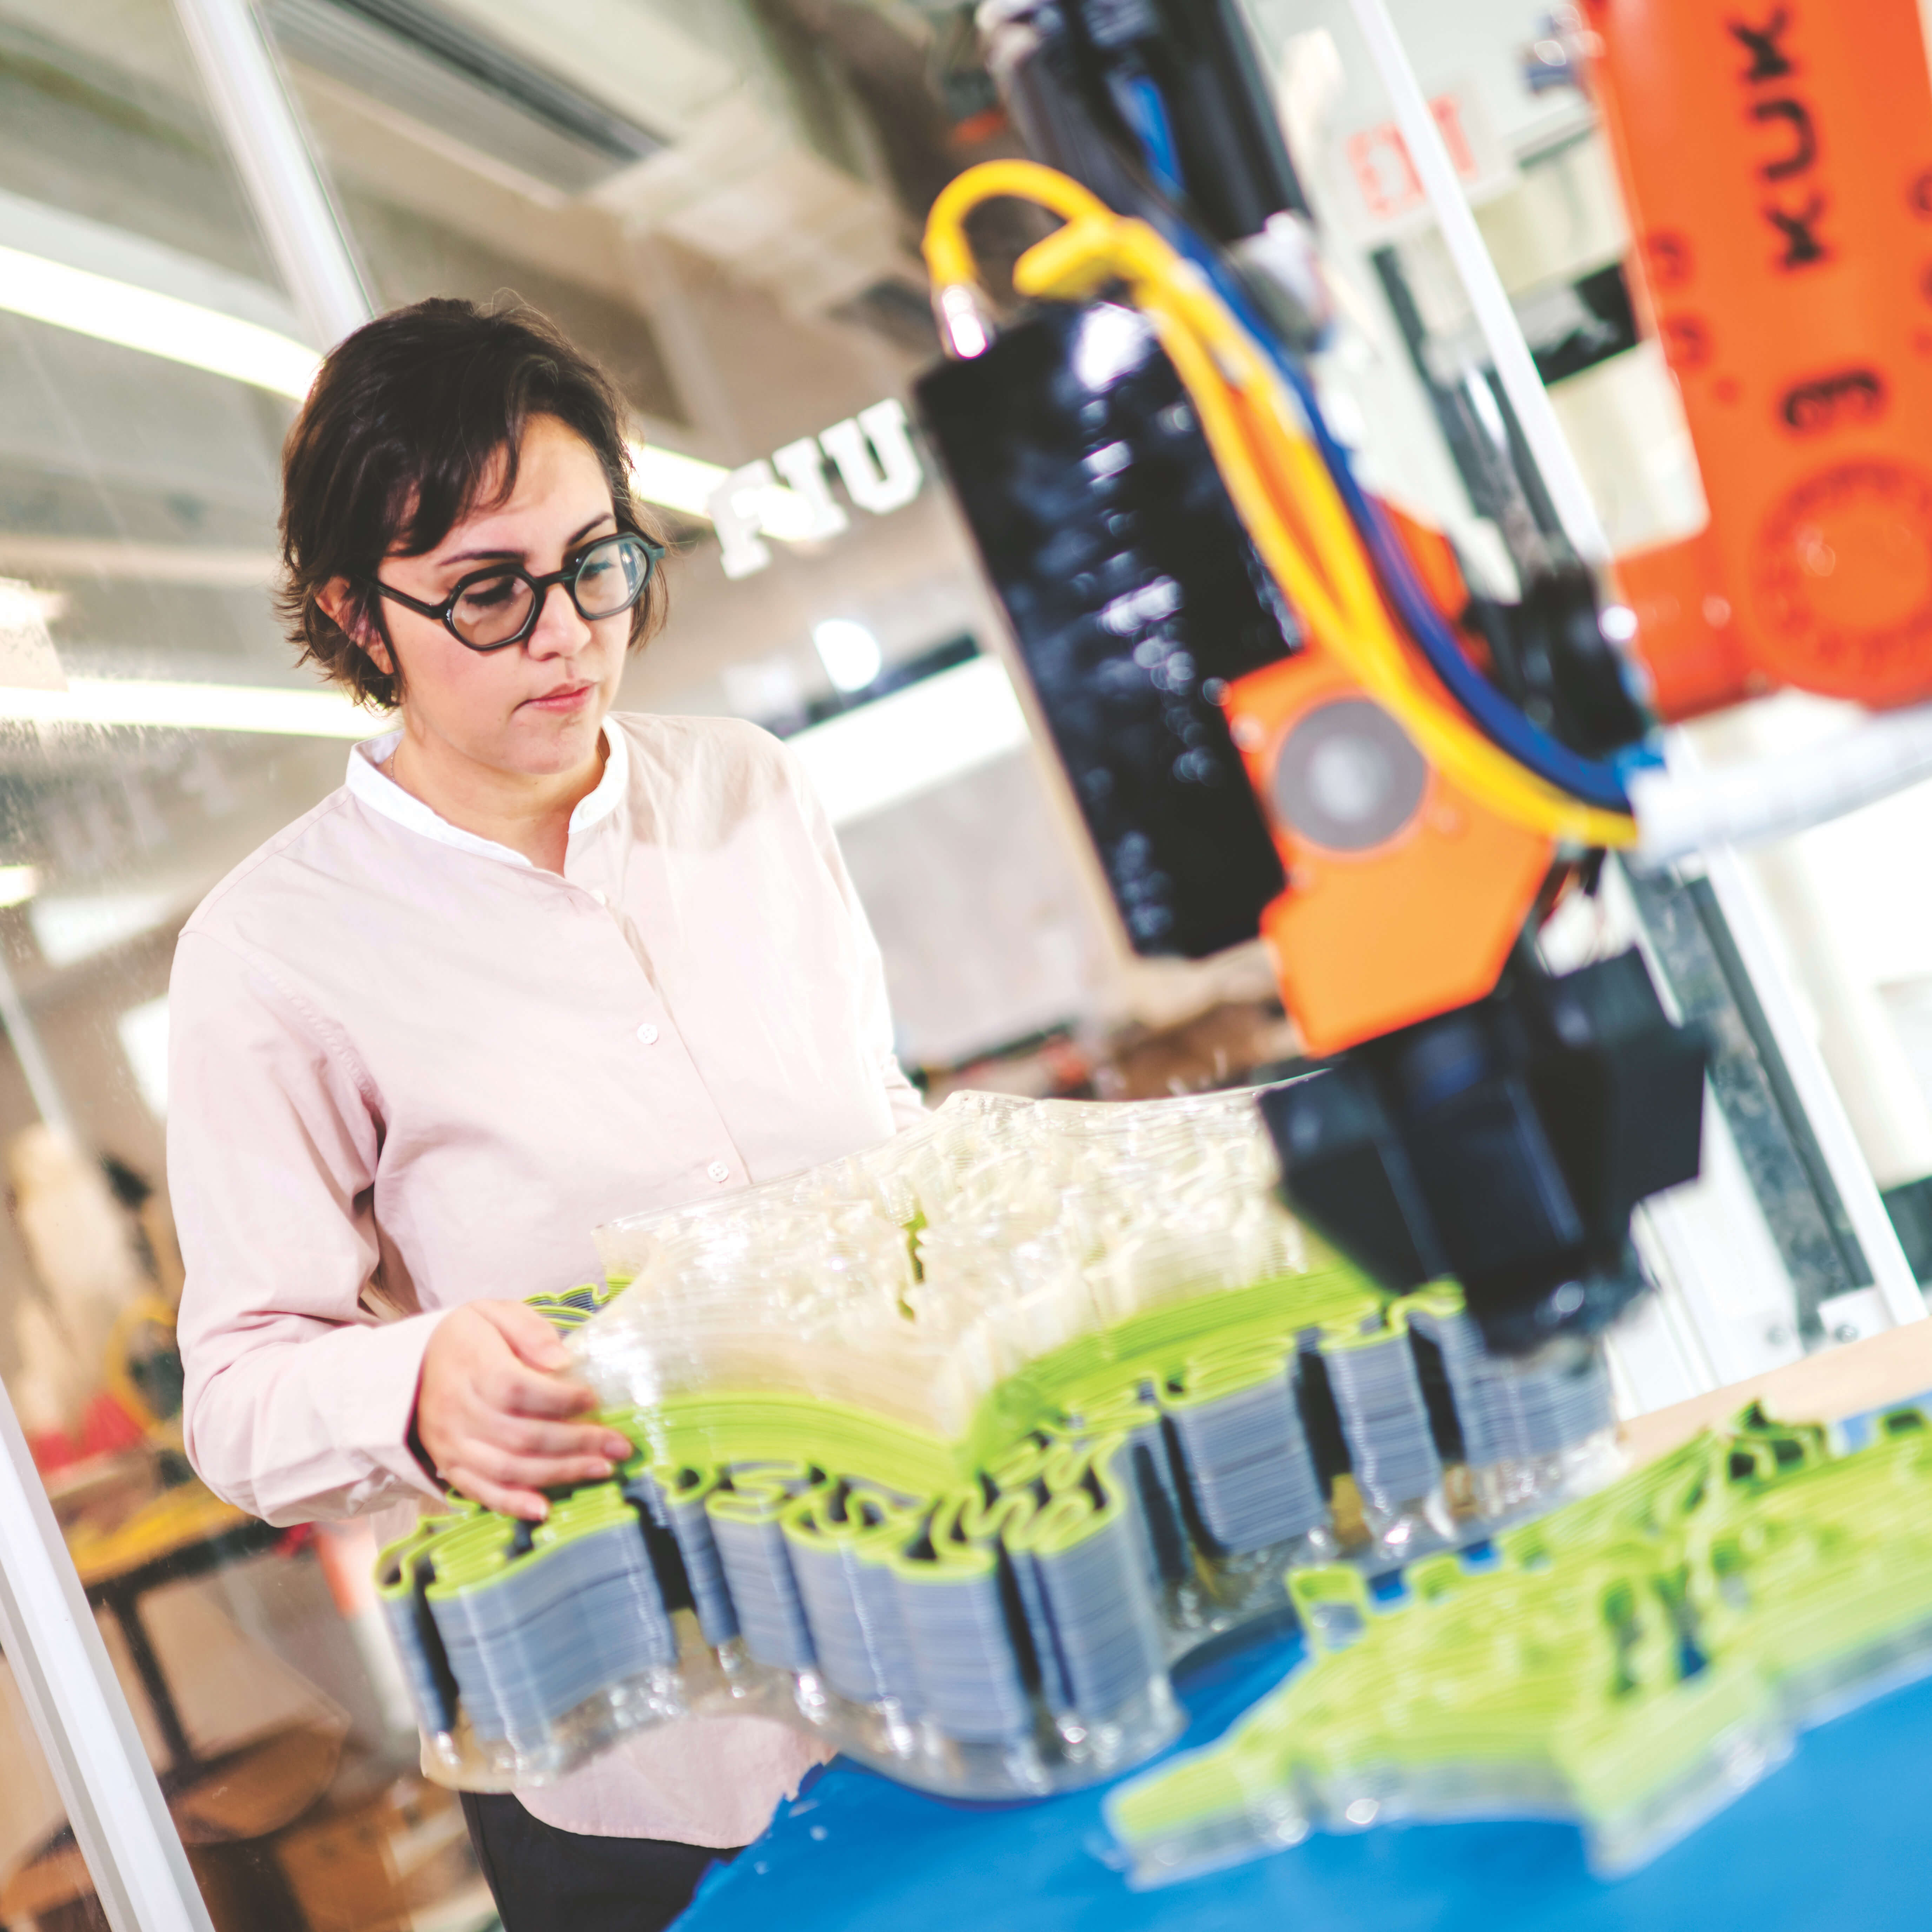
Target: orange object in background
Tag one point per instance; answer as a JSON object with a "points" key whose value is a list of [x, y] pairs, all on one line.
{"points": [[1776, 157], [1404, 895]]}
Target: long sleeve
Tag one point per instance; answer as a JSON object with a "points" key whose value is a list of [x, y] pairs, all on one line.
{"points": [[875, 1011], [297, 1400]]}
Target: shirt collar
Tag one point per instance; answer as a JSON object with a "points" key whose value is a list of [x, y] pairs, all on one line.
{"points": [[368, 781], [598, 805]]}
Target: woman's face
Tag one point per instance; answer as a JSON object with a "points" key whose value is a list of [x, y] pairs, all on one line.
{"points": [[535, 707]]}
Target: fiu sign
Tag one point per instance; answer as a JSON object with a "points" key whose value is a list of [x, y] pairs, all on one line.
{"points": [[790, 496]]}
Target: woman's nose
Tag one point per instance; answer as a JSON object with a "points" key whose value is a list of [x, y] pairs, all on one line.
{"points": [[560, 629]]}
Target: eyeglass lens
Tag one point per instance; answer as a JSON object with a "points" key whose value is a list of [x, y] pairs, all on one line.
{"points": [[610, 577]]}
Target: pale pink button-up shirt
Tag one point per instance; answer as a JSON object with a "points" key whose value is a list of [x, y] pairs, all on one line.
{"points": [[409, 1069]]}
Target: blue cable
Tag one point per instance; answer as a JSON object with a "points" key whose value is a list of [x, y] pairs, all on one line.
{"points": [[1140, 105], [1593, 780]]}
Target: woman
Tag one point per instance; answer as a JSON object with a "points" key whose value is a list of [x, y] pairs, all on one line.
{"points": [[532, 967]]}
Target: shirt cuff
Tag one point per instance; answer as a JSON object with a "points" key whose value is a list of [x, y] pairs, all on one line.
{"points": [[376, 1418], [391, 1378], [413, 1442]]}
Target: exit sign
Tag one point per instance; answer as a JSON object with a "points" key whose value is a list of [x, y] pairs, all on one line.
{"points": [[1381, 191]]}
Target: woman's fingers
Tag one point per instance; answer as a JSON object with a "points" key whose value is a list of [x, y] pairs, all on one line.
{"points": [[529, 1336], [526, 1503], [498, 1422], [495, 1464], [577, 1440], [510, 1389]]}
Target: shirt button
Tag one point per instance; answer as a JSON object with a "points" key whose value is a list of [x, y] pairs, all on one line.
{"points": [[648, 1033], [602, 898], [718, 1171]]}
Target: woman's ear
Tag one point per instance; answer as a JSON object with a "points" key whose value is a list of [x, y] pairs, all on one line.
{"points": [[339, 601]]}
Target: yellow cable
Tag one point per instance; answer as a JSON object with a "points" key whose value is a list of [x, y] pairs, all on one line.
{"points": [[1238, 395], [1354, 624], [949, 255]]}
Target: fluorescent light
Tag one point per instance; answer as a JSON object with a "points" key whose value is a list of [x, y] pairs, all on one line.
{"points": [[138, 702], [678, 482], [687, 484], [22, 604], [145, 562], [112, 310], [190, 333], [849, 652], [18, 884], [912, 740], [158, 325]]}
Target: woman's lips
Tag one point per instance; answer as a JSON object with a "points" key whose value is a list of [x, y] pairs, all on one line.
{"points": [[568, 699]]}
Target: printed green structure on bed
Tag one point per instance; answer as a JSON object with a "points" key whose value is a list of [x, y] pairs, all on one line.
{"points": [[1036, 1576], [1632, 1660], [974, 1580]]}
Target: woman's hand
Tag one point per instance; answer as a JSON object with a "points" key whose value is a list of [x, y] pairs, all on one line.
{"points": [[493, 1410]]}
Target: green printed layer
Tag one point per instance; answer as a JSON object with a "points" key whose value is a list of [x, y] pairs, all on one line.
{"points": [[1093, 1388], [1079, 1384], [1611, 1665], [1033, 1475]]}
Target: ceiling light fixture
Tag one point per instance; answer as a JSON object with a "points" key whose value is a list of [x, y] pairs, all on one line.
{"points": [[198, 337], [24, 554], [136, 703], [73, 927], [688, 485], [678, 482], [23, 604], [158, 325], [849, 652]]}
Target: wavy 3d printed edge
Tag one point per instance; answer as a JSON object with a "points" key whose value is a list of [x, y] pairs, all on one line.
{"points": [[994, 1615]]}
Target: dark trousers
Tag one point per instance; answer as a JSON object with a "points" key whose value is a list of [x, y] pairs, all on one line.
{"points": [[546, 1880]]}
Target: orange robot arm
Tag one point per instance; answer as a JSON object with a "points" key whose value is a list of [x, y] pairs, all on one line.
{"points": [[1777, 160]]}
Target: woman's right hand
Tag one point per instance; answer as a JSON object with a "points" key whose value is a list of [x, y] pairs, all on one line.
{"points": [[494, 1410]]}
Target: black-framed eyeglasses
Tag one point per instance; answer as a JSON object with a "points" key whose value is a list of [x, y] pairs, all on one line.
{"points": [[491, 609]]}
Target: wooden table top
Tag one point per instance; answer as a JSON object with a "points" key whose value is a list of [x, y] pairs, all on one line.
{"points": [[1826, 1387]]}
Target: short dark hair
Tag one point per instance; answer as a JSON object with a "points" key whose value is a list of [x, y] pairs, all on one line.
{"points": [[396, 441]]}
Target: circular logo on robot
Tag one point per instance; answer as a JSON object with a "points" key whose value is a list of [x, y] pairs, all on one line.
{"points": [[1347, 777], [1842, 570]]}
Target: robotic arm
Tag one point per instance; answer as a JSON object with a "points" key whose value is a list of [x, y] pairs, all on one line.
{"points": [[1282, 710]]}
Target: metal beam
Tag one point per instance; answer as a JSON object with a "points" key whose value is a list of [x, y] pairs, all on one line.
{"points": [[286, 188], [141, 1875]]}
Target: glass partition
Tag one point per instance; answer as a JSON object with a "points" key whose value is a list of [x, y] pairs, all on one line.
{"points": [[153, 731], [44, 1878]]}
